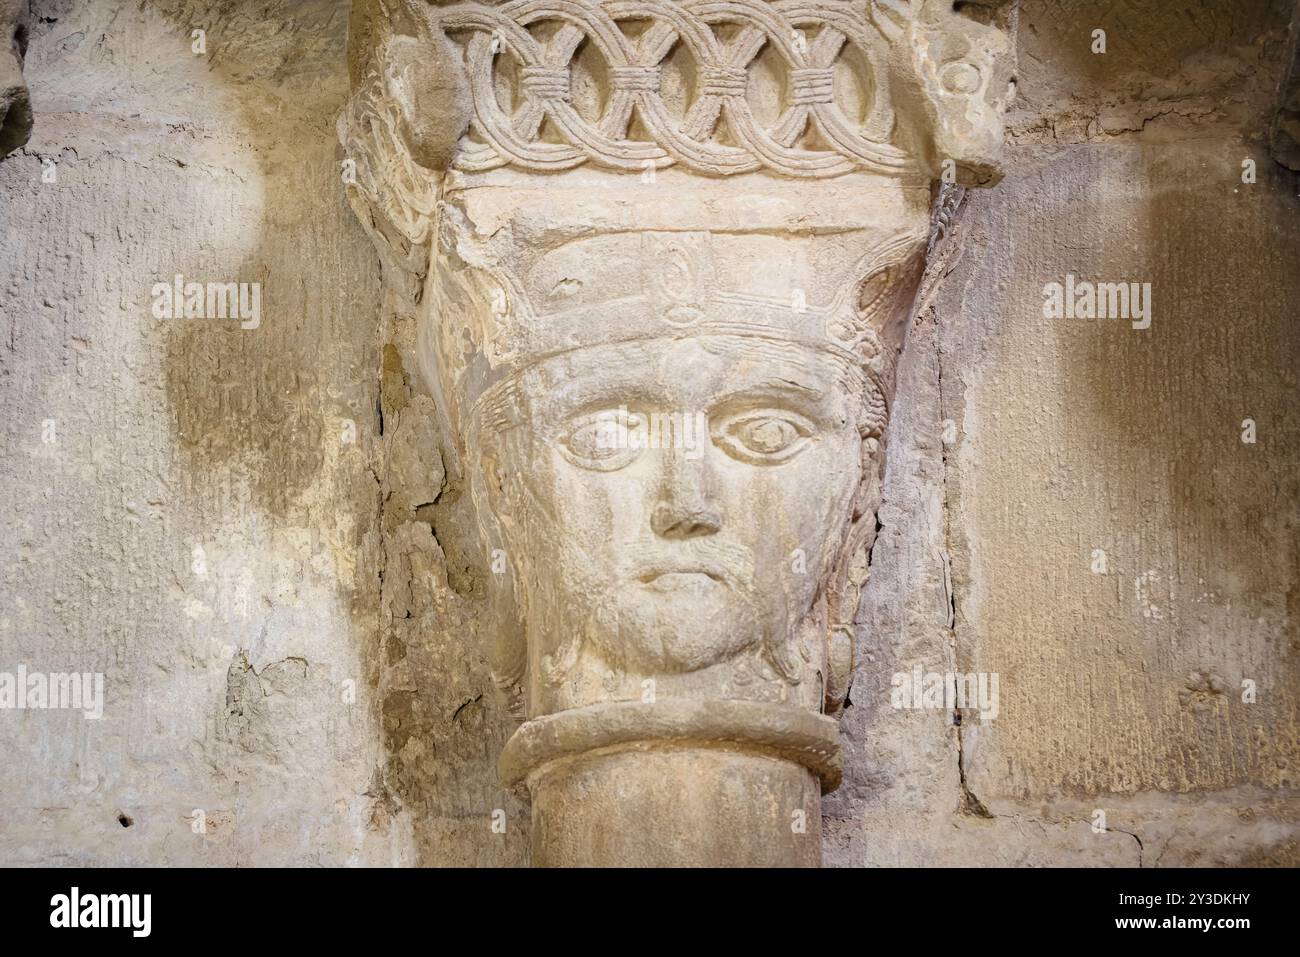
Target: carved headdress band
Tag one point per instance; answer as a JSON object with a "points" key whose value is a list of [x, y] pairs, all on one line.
{"points": [[531, 287]]}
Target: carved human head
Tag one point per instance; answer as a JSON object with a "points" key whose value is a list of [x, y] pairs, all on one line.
{"points": [[661, 292]]}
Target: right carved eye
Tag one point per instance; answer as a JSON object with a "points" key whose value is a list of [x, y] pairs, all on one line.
{"points": [[764, 436], [606, 440]]}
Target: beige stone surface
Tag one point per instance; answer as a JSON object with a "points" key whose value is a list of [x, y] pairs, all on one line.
{"points": [[659, 288], [335, 553], [181, 509], [1033, 442], [15, 101], [1141, 682]]}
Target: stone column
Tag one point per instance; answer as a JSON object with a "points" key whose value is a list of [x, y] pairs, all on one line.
{"points": [[662, 257], [677, 782]]}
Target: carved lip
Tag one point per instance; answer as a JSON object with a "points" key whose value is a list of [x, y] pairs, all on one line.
{"points": [[668, 575]]}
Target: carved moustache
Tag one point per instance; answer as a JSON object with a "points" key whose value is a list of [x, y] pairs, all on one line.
{"points": [[723, 562]]}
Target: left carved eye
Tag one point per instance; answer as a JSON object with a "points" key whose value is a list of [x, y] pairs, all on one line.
{"points": [[604, 441], [764, 436]]}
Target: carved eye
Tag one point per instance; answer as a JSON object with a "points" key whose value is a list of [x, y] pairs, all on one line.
{"points": [[605, 441], [764, 436]]}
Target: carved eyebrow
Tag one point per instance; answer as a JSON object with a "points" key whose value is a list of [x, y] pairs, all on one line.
{"points": [[807, 398], [577, 398], [783, 383]]}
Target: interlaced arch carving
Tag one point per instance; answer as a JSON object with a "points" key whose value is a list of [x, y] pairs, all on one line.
{"points": [[808, 37]]}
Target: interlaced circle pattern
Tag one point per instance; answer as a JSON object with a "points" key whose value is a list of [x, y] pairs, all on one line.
{"points": [[809, 36]]}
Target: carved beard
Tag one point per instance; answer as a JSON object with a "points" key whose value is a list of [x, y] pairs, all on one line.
{"points": [[644, 628], [677, 635], [672, 624]]}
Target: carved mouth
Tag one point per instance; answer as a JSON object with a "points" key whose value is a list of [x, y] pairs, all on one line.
{"points": [[668, 577]]}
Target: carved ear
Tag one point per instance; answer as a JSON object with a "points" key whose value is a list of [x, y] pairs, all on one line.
{"points": [[494, 484], [884, 299], [849, 575], [425, 77], [508, 656], [506, 596]]}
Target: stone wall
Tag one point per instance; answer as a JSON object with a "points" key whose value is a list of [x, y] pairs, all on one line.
{"points": [[1071, 504], [251, 533], [190, 507]]}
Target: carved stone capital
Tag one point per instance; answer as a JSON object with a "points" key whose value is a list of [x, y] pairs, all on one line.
{"points": [[662, 257]]}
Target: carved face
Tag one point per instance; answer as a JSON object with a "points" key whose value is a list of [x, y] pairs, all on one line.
{"points": [[678, 499], [668, 429]]}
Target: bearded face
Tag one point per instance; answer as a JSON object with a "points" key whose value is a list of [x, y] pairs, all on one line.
{"points": [[679, 500], [672, 428]]}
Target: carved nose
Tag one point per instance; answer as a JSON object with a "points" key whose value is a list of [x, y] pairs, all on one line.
{"points": [[672, 521], [684, 507]]}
